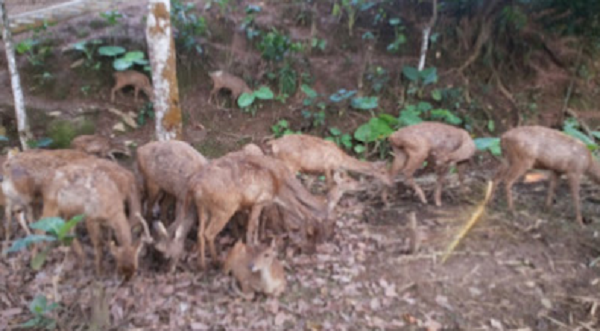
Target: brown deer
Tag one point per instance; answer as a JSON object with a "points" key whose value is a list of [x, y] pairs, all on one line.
{"points": [[529, 147], [80, 189], [134, 78], [99, 146], [222, 79], [443, 145], [255, 269], [315, 155], [224, 187]]}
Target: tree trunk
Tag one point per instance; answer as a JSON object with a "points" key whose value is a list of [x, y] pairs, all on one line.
{"points": [[15, 80], [426, 33], [161, 52]]}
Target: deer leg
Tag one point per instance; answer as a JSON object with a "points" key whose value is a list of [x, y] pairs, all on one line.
{"points": [[515, 171], [202, 216], [7, 220], [551, 188], [415, 160], [441, 172], [574, 181], [152, 191], [253, 220], [217, 223], [93, 228], [499, 177], [114, 90]]}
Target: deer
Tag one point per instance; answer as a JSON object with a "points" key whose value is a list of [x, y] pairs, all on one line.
{"points": [[24, 174], [132, 78], [223, 187], [99, 146], [529, 147], [79, 188], [255, 269], [224, 80], [310, 154], [442, 144]]}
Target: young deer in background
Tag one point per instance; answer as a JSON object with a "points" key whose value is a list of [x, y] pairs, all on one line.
{"points": [[224, 80], [529, 147], [138, 80], [443, 145]]}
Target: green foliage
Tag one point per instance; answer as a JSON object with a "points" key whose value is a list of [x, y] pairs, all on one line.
{"points": [[36, 52], [88, 48], [394, 46], [40, 308], [111, 50], [282, 128], [188, 26], [247, 99], [127, 60], [274, 46], [364, 103], [248, 24], [287, 78], [62, 132], [341, 95], [571, 127], [378, 78], [317, 43], [56, 230], [224, 5], [146, 112], [343, 140], [351, 8], [112, 17], [488, 144]]}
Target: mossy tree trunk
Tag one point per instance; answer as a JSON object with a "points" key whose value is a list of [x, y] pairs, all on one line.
{"points": [[161, 51], [15, 79]]}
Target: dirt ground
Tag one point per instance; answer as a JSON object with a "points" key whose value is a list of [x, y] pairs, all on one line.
{"points": [[535, 270]]}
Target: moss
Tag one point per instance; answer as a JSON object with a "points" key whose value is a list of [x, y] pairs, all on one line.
{"points": [[62, 132]]}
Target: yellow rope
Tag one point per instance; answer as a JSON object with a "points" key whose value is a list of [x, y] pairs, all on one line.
{"points": [[474, 218]]}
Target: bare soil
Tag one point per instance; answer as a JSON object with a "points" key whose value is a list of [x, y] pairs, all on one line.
{"points": [[533, 270]]}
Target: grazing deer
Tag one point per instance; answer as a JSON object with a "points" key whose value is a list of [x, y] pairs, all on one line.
{"points": [[223, 187], [443, 145], [529, 147], [134, 78], [80, 189], [315, 155], [255, 269], [99, 146], [224, 80]]}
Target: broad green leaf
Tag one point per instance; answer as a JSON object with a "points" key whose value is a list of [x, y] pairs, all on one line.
{"points": [[409, 117], [446, 115], [346, 140], [335, 131], [264, 93], [134, 55], [395, 21], [19, 244], [38, 260], [80, 46], [389, 119], [38, 304], [359, 149], [122, 64], [429, 76], [363, 133], [488, 143], [341, 95], [436, 95], [309, 91], [364, 103], [491, 126], [3, 138], [571, 131], [595, 134], [49, 225], [111, 50], [375, 129], [411, 73], [245, 100], [44, 142], [424, 106], [66, 228]]}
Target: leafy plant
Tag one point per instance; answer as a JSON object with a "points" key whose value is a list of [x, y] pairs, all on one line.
{"points": [[188, 26], [281, 128], [111, 16], [127, 60], [364, 103], [247, 99], [146, 112], [378, 77], [343, 140], [490, 144], [274, 45], [35, 51], [248, 23], [88, 48], [57, 231], [41, 308], [351, 8], [400, 39], [571, 127]]}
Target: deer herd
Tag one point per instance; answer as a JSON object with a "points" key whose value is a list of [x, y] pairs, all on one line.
{"points": [[256, 189]]}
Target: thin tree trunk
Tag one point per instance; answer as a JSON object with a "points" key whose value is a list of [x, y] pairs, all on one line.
{"points": [[426, 33], [161, 51], [15, 80]]}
